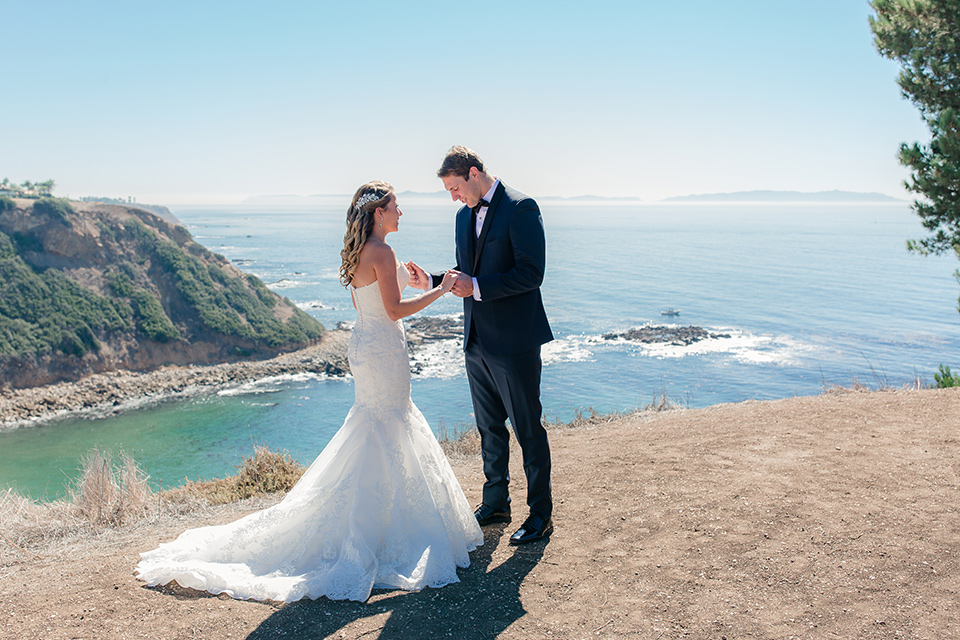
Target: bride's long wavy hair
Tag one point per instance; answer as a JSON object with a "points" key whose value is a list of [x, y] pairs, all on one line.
{"points": [[360, 225]]}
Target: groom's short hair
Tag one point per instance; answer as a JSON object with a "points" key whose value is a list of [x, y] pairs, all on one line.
{"points": [[458, 162]]}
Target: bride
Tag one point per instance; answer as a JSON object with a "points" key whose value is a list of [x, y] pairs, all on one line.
{"points": [[380, 507]]}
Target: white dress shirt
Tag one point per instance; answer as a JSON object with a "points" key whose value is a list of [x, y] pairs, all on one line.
{"points": [[481, 215]]}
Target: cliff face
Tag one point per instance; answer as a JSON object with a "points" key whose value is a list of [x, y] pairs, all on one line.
{"points": [[90, 287]]}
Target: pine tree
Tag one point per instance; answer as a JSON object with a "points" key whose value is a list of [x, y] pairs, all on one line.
{"points": [[923, 36]]}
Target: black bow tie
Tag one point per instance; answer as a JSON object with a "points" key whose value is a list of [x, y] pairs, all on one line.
{"points": [[480, 205]]}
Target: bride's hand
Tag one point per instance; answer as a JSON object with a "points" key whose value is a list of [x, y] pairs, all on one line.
{"points": [[418, 277], [449, 278]]}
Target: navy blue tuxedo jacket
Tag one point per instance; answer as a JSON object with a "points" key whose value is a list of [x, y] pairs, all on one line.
{"points": [[508, 261]]}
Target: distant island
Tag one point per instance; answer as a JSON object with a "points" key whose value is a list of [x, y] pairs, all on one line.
{"points": [[91, 287], [835, 196], [288, 198], [785, 196]]}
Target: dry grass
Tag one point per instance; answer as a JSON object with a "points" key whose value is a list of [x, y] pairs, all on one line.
{"points": [[265, 472], [582, 420], [112, 493], [24, 522], [107, 494], [463, 441]]}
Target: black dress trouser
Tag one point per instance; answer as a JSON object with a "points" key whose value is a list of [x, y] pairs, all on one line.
{"points": [[508, 386]]}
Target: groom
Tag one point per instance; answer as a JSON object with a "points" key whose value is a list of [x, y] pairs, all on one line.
{"points": [[501, 253]]}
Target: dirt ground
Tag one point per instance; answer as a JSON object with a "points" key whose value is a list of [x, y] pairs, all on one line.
{"points": [[833, 516]]}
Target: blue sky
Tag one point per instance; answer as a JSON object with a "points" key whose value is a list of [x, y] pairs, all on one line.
{"points": [[213, 101]]}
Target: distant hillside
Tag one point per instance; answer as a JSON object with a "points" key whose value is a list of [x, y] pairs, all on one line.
{"points": [[785, 196], [90, 287], [159, 210]]}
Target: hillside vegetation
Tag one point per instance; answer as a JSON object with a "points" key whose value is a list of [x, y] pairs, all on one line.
{"points": [[91, 287]]}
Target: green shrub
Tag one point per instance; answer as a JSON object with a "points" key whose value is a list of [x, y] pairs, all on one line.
{"points": [[107, 230], [150, 317], [46, 312], [58, 208], [26, 242], [6, 203], [7, 250], [228, 304], [945, 378]]}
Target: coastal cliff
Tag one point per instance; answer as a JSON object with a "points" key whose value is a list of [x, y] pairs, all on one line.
{"points": [[90, 287]]}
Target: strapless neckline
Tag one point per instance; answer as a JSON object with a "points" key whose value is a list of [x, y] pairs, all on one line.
{"points": [[400, 266]]}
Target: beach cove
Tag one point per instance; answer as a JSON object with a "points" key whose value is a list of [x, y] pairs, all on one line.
{"points": [[103, 394], [812, 517]]}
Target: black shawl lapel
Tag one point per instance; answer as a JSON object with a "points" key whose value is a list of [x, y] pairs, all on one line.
{"points": [[487, 221]]}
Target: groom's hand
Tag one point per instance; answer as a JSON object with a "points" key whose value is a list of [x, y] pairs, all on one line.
{"points": [[463, 287], [418, 277]]}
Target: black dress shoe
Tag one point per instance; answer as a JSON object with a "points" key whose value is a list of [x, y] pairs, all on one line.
{"points": [[536, 527], [486, 515]]}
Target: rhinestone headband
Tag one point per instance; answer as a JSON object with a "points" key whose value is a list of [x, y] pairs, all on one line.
{"points": [[366, 199]]}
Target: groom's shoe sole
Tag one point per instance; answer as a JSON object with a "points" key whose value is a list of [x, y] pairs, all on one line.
{"points": [[488, 515]]}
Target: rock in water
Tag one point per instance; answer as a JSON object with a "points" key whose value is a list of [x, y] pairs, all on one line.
{"points": [[661, 334]]}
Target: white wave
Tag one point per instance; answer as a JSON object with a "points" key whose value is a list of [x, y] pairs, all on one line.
{"points": [[569, 349], [439, 359], [272, 384], [284, 283], [329, 274], [740, 345], [313, 304], [444, 358]]}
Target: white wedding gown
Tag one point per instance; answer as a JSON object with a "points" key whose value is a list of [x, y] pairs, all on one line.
{"points": [[380, 506]]}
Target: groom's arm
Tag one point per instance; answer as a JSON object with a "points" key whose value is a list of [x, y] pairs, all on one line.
{"points": [[437, 277], [529, 253]]}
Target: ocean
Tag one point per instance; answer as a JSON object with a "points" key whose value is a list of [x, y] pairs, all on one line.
{"points": [[800, 297]]}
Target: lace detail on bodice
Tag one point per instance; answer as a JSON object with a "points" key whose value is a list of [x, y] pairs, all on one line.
{"points": [[368, 298], [377, 351]]}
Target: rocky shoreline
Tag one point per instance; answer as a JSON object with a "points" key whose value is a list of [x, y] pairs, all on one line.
{"points": [[109, 392]]}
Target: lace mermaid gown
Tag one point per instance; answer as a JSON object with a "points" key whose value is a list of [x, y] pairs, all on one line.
{"points": [[379, 507]]}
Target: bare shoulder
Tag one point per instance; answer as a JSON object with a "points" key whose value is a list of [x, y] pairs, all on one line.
{"points": [[378, 253]]}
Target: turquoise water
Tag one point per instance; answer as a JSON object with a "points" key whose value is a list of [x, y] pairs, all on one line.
{"points": [[810, 296]]}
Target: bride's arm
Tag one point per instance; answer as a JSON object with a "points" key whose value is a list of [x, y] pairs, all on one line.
{"points": [[385, 265]]}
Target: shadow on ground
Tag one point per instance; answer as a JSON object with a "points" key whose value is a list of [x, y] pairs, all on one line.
{"points": [[482, 605]]}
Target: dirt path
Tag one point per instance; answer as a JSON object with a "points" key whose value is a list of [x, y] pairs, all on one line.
{"points": [[836, 516]]}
